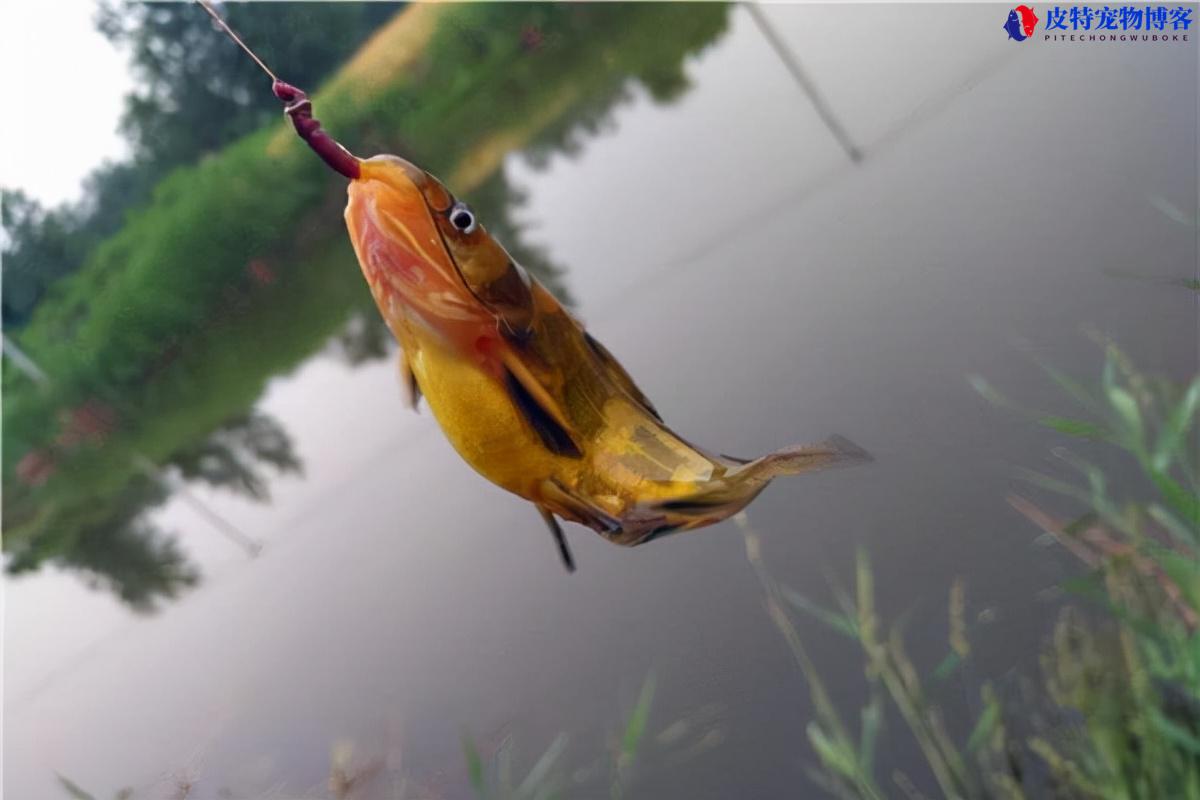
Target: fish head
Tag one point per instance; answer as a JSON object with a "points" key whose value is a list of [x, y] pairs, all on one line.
{"points": [[413, 233]]}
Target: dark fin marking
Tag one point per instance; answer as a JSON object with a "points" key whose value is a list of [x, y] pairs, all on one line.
{"points": [[580, 509], [510, 298], [735, 459], [661, 531], [618, 373], [533, 386], [553, 436], [692, 505], [564, 551], [519, 338], [408, 378]]}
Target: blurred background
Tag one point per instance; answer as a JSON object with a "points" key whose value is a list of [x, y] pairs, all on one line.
{"points": [[237, 564]]}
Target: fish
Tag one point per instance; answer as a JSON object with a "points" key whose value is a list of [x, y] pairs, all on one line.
{"points": [[522, 391]]}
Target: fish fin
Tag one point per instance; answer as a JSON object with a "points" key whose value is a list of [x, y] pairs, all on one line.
{"points": [[705, 507], [635, 526], [539, 407], [408, 380], [564, 550], [834, 452], [619, 376], [570, 505], [726, 496], [555, 436]]}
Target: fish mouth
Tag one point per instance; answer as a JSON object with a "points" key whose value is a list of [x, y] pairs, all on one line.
{"points": [[393, 170], [392, 218], [410, 170], [423, 200]]}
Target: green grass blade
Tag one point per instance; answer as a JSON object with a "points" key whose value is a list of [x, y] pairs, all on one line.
{"points": [[872, 724], [987, 391], [1072, 387], [1186, 504], [635, 729], [1174, 732], [72, 789], [503, 761], [1174, 431], [841, 623], [1126, 409], [1184, 570], [1054, 485], [984, 726], [1186, 534], [538, 776], [1078, 428], [947, 666], [474, 765], [834, 756]]}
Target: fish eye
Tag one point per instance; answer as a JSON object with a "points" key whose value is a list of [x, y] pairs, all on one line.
{"points": [[462, 218]]}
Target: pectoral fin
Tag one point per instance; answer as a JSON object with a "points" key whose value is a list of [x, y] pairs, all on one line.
{"points": [[569, 505], [633, 528], [539, 408], [408, 380], [564, 551]]}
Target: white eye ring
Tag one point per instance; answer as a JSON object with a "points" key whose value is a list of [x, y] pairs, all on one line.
{"points": [[462, 218]]}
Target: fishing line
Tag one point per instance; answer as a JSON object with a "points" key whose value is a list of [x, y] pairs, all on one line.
{"points": [[228, 30]]}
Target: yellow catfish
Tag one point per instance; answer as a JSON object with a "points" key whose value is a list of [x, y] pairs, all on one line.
{"points": [[524, 394]]}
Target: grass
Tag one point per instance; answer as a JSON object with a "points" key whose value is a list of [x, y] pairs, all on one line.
{"points": [[1113, 715], [494, 777], [1121, 688]]}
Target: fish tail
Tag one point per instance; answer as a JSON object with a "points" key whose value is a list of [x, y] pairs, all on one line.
{"points": [[724, 497], [834, 452]]}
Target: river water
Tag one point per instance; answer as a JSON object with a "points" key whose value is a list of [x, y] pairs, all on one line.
{"points": [[764, 289]]}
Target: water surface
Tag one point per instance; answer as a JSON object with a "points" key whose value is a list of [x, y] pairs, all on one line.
{"points": [[763, 289]]}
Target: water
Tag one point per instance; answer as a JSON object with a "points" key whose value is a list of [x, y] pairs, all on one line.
{"points": [[764, 290]]}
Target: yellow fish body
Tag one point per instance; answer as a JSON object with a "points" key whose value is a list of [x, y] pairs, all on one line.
{"points": [[524, 394]]}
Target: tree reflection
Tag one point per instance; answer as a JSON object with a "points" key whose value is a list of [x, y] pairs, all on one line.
{"points": [[117, 549], [230, 264], [229, 459]]}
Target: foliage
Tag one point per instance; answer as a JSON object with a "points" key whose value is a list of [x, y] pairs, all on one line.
{"points": [[247, 244], [228, 458], [491, 776], [195, 95], [40, 246], [493, 779], [1123, 693], [118, 550]]}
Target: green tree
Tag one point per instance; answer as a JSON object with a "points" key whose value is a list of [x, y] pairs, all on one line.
{"points": [[196, 93], [117, 549]]}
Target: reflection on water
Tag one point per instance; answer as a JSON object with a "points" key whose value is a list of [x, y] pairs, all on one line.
{"points": [[78, 479], [756, 282]]}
